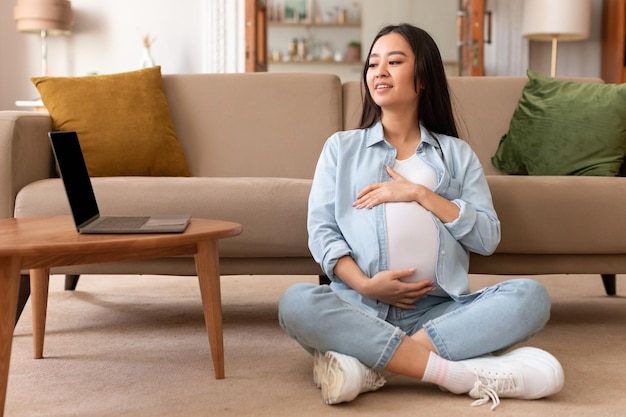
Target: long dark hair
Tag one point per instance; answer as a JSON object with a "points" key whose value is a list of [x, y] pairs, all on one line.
{"points": [[435, 108]]}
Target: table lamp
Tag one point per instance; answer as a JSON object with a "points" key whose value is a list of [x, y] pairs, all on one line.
{"points": [[44, 17], [556, 20]]}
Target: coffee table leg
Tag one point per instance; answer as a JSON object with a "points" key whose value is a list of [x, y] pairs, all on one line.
{"points": [[9, 290], [39, 285], [207, 267]]}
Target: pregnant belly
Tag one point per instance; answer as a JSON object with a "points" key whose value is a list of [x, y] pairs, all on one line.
{"points": [[413, 239]]}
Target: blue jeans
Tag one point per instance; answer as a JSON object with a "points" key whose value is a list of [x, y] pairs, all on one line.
{"points": [[497, 318]]}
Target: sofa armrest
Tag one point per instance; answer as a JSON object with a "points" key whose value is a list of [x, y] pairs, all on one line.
{"points": [[25, 154]]}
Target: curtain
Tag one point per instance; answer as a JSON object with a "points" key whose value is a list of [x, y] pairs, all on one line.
{"points": [[224, 36], [508, 52]]}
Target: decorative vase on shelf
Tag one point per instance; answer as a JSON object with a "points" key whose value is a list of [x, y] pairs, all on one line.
{"points": [[146, 57]]}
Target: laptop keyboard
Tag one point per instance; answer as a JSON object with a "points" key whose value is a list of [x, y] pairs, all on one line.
{"points": [[121, 222]]}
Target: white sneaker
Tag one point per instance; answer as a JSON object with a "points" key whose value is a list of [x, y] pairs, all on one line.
{"points": [[342, 378], [526, 373]]}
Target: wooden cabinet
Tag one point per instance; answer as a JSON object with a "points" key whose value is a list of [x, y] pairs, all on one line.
{"points": [[613, 41], [471, 34], [256, 36]]}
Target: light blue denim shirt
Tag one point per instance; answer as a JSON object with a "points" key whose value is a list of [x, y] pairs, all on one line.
{"points": [[353, 159]]}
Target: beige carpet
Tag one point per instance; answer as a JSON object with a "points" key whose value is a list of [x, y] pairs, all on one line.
{"points": [[137, 346]]}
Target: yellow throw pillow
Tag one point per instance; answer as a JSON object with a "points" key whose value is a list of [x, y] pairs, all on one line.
{"points": [[123, 122]]}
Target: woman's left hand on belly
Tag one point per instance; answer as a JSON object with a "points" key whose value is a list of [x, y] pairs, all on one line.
{"points": [[387, 286]]}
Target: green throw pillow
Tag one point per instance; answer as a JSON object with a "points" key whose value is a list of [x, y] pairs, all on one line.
{"points": [[565, 128], [122, 120]]}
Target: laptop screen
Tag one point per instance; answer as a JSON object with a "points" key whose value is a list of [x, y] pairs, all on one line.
{"points": [[73, 171]]}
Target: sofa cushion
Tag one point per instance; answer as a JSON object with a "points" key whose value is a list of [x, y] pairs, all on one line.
{"points": [[565, 128], [261, 124], [560, 214], [122, 120], [272, 211]]}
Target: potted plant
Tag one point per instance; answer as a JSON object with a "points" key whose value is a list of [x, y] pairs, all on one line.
{"points": [[353, 51]]}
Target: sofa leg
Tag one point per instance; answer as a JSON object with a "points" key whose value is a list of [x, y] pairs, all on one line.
{"points": [[610, 285], [23, 295], [324, 280], [70, 282]]}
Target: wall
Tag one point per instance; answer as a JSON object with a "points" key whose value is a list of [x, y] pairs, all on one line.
{"points": [[107, 39], [438, 18]]}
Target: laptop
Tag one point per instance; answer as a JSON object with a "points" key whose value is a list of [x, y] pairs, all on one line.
{"points": [[73, 172]]}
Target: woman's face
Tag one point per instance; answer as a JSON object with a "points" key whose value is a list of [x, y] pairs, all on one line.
{"points": [[390, 73]]}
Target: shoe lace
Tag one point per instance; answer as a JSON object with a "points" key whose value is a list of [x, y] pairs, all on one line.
{"points": [[485, 394], [488, 388], [374, 380]]}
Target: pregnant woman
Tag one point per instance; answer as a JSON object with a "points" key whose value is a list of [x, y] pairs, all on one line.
{"points": [[394, 210]]}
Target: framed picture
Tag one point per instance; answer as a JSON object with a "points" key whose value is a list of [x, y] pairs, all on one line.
{"points": [[298, 10]]}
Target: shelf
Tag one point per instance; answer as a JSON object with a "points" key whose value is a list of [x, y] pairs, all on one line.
{"points": [[317, 62], [324, 34], [351, 25]]}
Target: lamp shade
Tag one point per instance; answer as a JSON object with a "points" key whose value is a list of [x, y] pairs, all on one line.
{"points": [[53, 16], [569, 20]]}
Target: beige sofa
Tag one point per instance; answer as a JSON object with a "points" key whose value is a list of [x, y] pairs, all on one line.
{"points": [[252, 142]]}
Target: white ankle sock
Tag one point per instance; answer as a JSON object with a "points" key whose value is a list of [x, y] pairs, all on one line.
{"points": [[453, 376]]}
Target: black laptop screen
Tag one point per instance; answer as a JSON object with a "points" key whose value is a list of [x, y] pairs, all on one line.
{"points": [[73, 171]]}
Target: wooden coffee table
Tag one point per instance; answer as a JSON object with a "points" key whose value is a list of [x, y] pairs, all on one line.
{"points": [[40, 243]]}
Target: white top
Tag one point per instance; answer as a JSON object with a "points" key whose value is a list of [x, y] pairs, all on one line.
{"points": [[411, 230]]}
